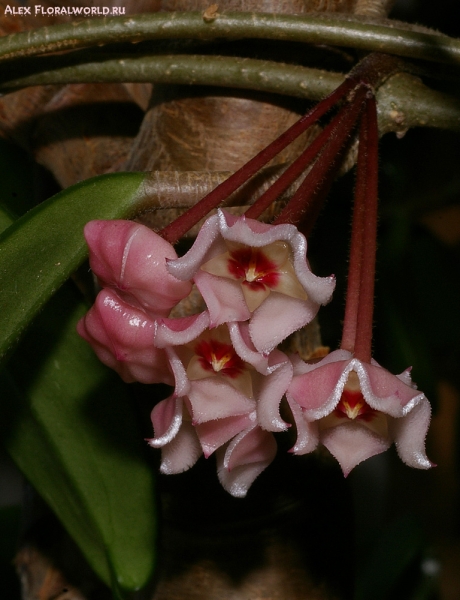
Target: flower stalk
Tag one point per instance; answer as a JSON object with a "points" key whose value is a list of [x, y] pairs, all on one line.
{"points": [[357, 328], [325, 168], [294, 171], [368, 74], [175, 230]]}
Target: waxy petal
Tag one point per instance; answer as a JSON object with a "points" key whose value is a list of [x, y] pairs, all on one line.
{"points": [[319, 390], [278, 317], [132, 258], [387, 392], [122, 337], [182, 383], [307, 432], [214, 434], [208, 243], [271, 391], [214, 398], [182, 453], [301, 367], [166, 419], [409, 434], [181, 331], [224, 298], [351, 443], [241, 340], [246, 456], [176, 437]]}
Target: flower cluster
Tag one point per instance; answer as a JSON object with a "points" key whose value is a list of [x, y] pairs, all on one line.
{"points": [[228, 374]]}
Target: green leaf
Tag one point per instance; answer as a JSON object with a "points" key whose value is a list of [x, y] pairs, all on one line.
{"points": [[40, 250], [68, 425]]}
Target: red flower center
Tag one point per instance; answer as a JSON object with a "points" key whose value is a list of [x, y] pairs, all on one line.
{"points": [[253, 267], [219, 357], [353, 406]]}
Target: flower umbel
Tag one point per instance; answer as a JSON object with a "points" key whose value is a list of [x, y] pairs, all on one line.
{"points": [[229, 375]]}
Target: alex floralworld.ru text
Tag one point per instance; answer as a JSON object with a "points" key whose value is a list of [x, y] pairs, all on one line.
{"points": [[87, 11]]}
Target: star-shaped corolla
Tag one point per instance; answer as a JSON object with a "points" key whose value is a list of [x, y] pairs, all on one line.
{"points": [[243, 451], [217, 392], [258, 270], [206, 367], [357, 410], [213, 399], [246, 270]]}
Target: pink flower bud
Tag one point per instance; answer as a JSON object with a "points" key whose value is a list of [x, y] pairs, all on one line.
{"points": [[122, 338], [132, 258]]}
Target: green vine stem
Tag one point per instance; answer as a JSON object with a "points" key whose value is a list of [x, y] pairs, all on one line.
{"points": [[389, 37], [403, 100]]}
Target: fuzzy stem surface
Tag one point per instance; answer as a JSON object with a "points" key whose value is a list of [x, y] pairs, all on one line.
{"points": [[357, 243], [363, 342], [326, 166]]}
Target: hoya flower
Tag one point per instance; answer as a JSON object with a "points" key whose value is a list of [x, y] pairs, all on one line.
{"points": [[216, 395], [207, 369], [250, 270], [239, 462], [357, 410], [122, 338], [219, 370], [132, 258]]}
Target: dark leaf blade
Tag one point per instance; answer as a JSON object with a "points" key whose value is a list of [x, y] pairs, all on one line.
{"points": [[40, 250], [68, 425]]}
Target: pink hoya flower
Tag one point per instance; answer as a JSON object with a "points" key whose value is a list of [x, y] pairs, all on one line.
{"points": [[218, 370], [357, 410], [217, 393], [250, 270], [122, 338], [239, 462], [132, 258]]}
